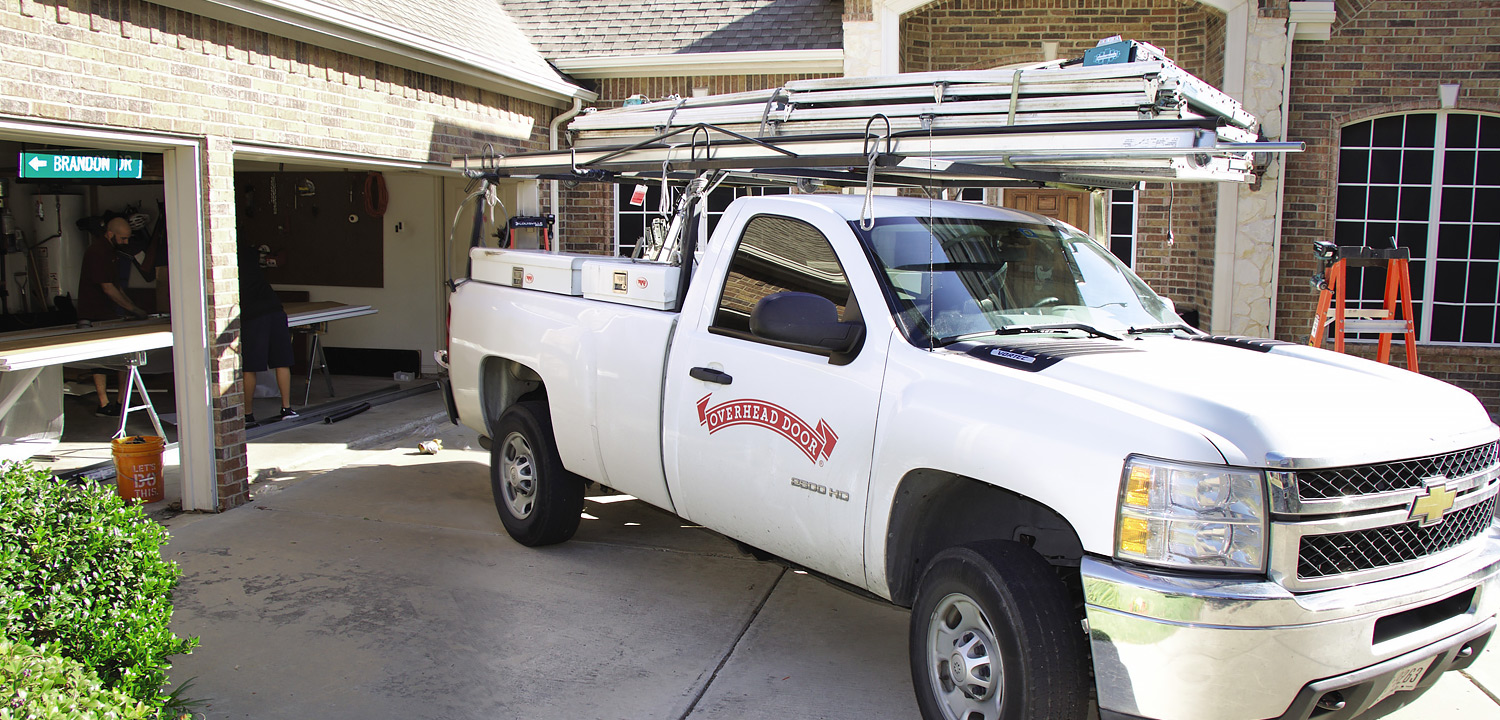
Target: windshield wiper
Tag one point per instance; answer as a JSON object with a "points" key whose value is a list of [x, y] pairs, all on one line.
{"points": [[1164, 328], [1023, 329]]}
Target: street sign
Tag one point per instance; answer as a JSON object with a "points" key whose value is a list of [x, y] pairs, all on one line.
{"points": [[82, 164]]}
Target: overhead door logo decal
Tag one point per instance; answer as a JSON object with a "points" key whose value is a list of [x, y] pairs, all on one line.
{"points": [[816, 443]]}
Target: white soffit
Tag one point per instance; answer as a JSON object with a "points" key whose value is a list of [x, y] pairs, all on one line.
{"points": [[1314, 19], [768, 62], [346, 32]]}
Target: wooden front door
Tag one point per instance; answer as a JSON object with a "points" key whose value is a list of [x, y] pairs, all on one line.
{"points": [[1069, 206]]}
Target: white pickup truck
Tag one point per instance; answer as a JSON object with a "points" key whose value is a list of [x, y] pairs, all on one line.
{"points": [[981, 415]]}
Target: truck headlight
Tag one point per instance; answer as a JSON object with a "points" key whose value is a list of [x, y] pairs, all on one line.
{"points": [[1186, 515]]}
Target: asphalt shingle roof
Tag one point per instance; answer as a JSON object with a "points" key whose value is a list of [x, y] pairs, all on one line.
{"points": [[577, 28], [480, 27]]}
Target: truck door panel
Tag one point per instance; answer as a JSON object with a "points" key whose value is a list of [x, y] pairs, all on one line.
{"points": [[770, 444]]}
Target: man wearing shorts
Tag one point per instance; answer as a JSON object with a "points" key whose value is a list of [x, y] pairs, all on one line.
{"points": [[265, 341]]}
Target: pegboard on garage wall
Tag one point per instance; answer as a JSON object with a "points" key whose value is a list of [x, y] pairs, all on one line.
{"points": [[315, 225]]}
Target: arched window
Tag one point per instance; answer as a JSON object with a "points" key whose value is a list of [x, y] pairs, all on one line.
{"points": [[1429, 182]]}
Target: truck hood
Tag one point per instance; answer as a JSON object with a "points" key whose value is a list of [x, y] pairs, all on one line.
{"points": [[1260, 401]]}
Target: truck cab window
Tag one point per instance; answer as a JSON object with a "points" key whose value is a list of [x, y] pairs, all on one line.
{"points": [[777, 254]]}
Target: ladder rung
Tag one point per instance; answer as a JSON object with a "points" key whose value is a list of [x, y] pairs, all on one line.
{"points": [[1375, 326], [1373, 314]]}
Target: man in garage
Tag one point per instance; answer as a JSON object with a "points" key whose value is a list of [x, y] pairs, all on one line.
{"points": [[101, 296]]}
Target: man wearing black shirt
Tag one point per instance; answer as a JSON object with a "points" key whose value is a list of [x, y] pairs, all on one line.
{"points": [[101, 296], [265, 341]]}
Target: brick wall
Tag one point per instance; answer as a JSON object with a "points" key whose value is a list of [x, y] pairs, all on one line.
{"points": [[132, 65], [587, 217], [1384, 57], [975, 34]]}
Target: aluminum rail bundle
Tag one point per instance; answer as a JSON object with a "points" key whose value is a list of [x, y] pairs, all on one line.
{"points": [[1090, 155], [1148, 89]]}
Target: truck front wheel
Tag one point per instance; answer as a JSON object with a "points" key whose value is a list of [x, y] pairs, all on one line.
{"points": [[538, 500], [994, 637]]}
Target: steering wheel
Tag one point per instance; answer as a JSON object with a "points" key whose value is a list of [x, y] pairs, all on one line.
{"points": [[1044, 302]]}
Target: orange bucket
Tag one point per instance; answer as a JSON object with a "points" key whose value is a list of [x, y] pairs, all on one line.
{"points": [[138, 474]]}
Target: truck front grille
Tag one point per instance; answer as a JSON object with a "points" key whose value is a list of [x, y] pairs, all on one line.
{"points": [[1344, 482], [1322, 556]]}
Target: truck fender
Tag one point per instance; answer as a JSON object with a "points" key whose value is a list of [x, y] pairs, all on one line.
{"points": [[504, 382], [935, 510]]}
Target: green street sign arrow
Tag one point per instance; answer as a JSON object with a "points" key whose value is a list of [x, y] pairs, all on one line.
{"points": [[82, 164]]}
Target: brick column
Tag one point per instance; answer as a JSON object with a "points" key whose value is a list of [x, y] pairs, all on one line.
{"points": [[222, 299]]}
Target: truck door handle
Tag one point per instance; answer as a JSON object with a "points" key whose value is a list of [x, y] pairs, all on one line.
{"points": [[710, 375]]}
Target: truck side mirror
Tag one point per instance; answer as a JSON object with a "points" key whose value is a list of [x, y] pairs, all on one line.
{"points": [[804, 319]]}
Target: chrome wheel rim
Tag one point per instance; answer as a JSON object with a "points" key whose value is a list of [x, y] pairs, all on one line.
{"points": [[518, 475], [963, 660]]}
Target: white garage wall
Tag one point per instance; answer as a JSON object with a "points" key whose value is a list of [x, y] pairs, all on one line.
{"points": [[411, 303]]}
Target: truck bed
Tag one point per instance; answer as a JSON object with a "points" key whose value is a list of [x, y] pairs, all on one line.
{"points": [[602, 363]]}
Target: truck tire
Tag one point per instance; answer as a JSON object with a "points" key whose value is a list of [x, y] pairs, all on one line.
{"points": [[538, 500], [994, 637]]}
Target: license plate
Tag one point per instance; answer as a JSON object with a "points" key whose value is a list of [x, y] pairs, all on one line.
{"points": [[1407, 678]]}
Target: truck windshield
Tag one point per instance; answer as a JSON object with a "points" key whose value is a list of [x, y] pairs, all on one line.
{"points": [[953, 277]]}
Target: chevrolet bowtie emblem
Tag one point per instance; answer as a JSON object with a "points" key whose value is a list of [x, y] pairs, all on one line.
{"points": [[1431, 505]]}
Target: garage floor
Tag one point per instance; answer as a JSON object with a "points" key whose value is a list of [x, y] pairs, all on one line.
{"points": [[379, 583]]}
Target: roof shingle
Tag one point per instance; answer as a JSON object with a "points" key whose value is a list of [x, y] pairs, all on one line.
{"points": [[479, 27], [578, 28]]}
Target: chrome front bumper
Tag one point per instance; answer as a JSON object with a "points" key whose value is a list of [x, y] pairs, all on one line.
{"points": [[1170, 647]]}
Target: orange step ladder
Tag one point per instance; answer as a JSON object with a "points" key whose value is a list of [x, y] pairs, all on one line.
{"points": [[1333, 285]]}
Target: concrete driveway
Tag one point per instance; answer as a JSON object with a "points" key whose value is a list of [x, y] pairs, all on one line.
{"points": [[379, 583]]}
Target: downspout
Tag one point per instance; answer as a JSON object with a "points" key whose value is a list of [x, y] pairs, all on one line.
{"points": [[1286, 122], [556, 184]]}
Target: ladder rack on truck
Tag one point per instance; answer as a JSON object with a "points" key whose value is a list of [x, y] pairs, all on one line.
{"points": [[1092, 128]]}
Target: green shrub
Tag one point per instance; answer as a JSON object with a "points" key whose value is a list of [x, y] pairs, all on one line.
{"points": [[81, 572], [43, 685]]}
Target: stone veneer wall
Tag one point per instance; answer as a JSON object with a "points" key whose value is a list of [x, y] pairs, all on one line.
{"points": [[1384, 57], [131, 65]]}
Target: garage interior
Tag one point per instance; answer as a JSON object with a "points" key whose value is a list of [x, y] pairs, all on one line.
{"points": [[356, 244]]}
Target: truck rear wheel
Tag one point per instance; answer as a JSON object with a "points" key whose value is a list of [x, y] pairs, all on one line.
{"points": [[994, 637], [538, 500]]}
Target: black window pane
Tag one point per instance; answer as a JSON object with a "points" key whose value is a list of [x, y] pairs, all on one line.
{"points": [[1354, 166], [720, 199], [1458, 205], [1461, 130], [1451, 281], [1385, 167], [1416, 167], [1484, 243], [1418, 272], [1380, 234], [1356, 135], [1458, 168], [1357, 281], [1120, 247], [1388, 131], [1446, 321], [1351, 203], [1484, 277], [1489, 168], [1453, 241], [1421, 130], [1121, 218], [1383, 203], [1349, 233], [1489, 131], [1412, 236], [1487, 205], [1479, 324], [1415, 203]]}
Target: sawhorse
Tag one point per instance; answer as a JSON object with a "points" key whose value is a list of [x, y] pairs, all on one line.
{"points": [[316, 360], [133, 382]]}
